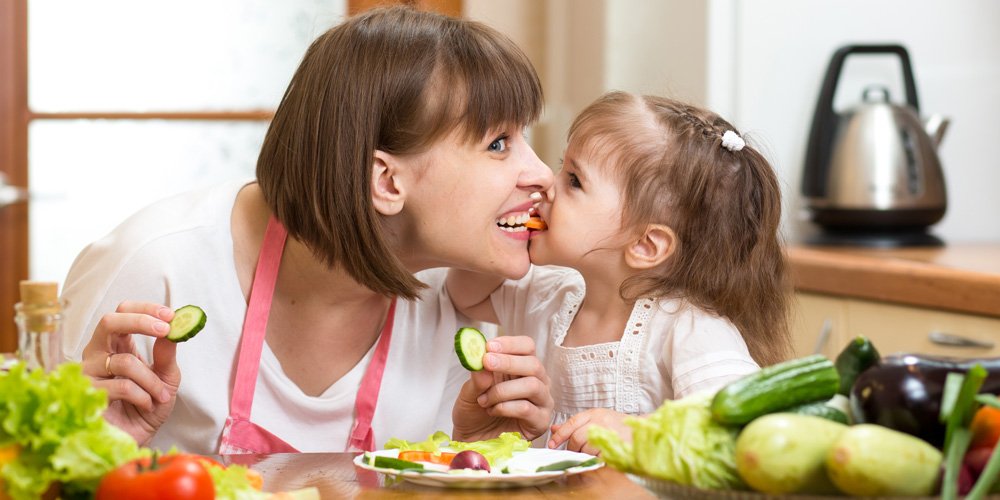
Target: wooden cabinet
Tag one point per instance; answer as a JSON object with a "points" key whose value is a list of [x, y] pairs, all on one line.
{"points": [[891, 327]]}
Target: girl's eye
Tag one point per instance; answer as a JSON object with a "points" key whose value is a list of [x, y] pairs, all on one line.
{"points": [[499, 145], [574, 181]]}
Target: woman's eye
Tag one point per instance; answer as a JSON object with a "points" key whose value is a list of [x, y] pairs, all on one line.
{"points": [[574, 181], [499, 145]]}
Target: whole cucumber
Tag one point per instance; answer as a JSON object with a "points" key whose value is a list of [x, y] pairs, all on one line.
{"points": [[786, 453], [871, 460], [775, 388]]}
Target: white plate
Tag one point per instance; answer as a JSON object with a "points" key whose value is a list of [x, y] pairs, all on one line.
{"points": [[530, 459]]}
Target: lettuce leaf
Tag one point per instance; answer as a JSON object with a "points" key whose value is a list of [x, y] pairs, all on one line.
{"points": [[616, 452], [495, 450], [679, 442], [433, 443], [231, 483], [56, 420]]}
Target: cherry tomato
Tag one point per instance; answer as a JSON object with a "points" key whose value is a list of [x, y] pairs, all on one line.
{"points": [[985, 427], [169, 477]]}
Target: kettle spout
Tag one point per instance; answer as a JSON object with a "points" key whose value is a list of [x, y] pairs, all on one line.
{"points": [[936, 126]]}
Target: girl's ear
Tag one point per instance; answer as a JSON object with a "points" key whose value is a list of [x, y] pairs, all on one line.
{"points": [[653, 248], [388, 191]]}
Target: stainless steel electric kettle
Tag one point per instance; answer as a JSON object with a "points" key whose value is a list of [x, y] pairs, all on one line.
{"points": [[872, 174]]}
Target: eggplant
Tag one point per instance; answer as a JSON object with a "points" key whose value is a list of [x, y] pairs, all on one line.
{"points": [[904, 391]]}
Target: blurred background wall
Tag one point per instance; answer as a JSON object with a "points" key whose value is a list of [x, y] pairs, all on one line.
{"points": [[760, 63]]}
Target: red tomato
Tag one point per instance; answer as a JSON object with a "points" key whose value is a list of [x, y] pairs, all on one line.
{"points": [[170, 477], [985, 427]]}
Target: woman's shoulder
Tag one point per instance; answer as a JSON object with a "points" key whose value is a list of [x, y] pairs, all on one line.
{"points": [[163, 223]]}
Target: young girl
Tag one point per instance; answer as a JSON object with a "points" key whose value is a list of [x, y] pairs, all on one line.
{"points": [[673, 278]]}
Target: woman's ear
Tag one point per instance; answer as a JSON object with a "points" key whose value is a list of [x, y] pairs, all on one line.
{"points": [[656, 244], [388, 192]]}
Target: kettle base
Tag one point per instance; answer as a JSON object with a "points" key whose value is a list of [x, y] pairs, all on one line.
{"points": [[875, 239]]}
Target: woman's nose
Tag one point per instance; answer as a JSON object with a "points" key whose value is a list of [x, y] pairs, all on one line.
{"points": [[536, 175]]}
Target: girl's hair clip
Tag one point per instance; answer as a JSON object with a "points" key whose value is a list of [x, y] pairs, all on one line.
{"points": [[732, 141]]}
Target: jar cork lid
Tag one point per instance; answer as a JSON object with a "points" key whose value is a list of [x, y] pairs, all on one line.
{"points": [[39, 292]]}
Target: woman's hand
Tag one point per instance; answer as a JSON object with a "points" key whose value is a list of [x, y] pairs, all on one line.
{"points": [[141, 396], [575, 429], [511, 393]]}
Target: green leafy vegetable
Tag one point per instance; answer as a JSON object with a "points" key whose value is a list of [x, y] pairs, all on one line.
{"points": [[619, 454], [232, 483], [679, 442], [56, 421], [433, 443], [495, 450]]}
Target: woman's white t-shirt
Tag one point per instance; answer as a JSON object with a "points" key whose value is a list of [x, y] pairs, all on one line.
{"points": [[669, 348], [180, 251]]}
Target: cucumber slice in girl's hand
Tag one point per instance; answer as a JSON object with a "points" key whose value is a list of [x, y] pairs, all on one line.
{"points": [[470, 345], [187, 322]]}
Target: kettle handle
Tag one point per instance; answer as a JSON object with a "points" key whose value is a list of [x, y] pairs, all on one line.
{"points": [[824, 122]]}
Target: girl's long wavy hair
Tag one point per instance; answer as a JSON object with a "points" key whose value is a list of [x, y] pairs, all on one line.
{"points": [[724, 206]]}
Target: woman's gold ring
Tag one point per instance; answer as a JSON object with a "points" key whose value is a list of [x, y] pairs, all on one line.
{"points": [[107, 366]]}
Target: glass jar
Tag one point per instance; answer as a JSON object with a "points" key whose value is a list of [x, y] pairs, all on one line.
{"points": [[39, 334]]}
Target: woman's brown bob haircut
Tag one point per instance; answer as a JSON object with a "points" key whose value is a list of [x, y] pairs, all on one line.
{"points": [[724, 206], [393, 79]]}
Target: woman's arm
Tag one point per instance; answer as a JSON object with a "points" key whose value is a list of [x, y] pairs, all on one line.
{"points": [[470, 293]]}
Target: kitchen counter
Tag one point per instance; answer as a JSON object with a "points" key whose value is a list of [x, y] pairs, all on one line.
{"points": [[957, 277]]}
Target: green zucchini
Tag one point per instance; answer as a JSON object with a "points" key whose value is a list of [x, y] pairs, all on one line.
{"points": [[775, 388], [820, 409], [859, 355], [470, 345]]}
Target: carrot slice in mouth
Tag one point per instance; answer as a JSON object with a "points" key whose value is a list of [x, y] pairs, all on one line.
{"points": [[536, 223]]}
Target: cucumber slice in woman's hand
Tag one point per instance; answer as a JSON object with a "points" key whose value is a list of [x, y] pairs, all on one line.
{"points": [[470, 345], [187, 322]]}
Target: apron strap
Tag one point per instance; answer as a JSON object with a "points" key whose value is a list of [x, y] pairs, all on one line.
{"points": [[362, 436], [255, 323]]}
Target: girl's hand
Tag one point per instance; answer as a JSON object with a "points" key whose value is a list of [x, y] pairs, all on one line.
{"points": [[511, 393], [575, 429], [140, 396]]}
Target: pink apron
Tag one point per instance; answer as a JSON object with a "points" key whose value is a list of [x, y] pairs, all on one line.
{"points": [[240, 435]]}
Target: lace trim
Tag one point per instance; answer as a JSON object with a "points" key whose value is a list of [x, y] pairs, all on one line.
{"points": [[622, 358], [632, 346]]}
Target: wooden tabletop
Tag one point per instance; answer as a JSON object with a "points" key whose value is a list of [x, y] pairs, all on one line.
{"points": [[956, 277], [335, 475]]}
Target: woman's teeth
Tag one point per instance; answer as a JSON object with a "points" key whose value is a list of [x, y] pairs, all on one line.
{"points": [[513, 223]]}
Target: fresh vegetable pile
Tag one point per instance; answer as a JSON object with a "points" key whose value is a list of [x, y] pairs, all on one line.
{"points": [[912, 426], [55, 441], [52, 426]]}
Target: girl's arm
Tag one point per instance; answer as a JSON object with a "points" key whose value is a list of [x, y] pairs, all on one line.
{"points": [[573, 432], [470, 293]]}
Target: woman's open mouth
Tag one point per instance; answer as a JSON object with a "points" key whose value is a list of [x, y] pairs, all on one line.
{"points": [[514, 223], [520, 223]]}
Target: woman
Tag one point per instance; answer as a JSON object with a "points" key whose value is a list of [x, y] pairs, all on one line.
{"points": [[397, 148]]}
